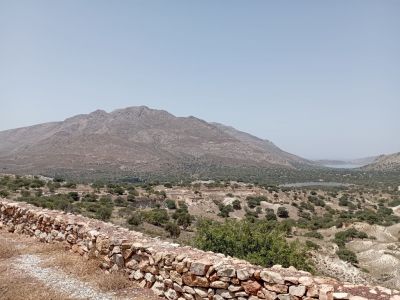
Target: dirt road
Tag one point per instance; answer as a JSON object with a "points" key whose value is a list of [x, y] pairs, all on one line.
{"points": [[33, 270]]}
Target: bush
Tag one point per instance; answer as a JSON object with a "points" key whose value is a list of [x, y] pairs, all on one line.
{"points": [[173, 229], [259, 242], [253, 201], [182, 216], [121, 202], [347, 255], [251, 215], [282, 212], [314, 234], [342, 237], [311, 245], [4, 193], [224, 210], [343, 201], [236, 204], [103, 213], [130, 198], [270, 214], [135, 219], [89, 197], [74, 196], [316, 201], [170, 204], [394, 202], [25, 193], [156, 216], [118, 190]]}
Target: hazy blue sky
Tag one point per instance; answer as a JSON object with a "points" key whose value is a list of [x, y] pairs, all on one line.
{"points": [[319, 78]]}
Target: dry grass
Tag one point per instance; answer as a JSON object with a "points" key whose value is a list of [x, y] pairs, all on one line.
{"points": [[19, 287], [7, 250], [89, 271], [15, 285]]}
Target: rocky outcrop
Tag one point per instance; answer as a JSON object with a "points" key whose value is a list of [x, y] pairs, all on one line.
{"points": [[172, 271]]}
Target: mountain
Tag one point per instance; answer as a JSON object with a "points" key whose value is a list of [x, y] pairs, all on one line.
{"points": [[136, 140], [389, 162]]}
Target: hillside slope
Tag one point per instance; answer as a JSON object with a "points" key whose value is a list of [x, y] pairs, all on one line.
{"points": [[135, 140], [389, 162]]}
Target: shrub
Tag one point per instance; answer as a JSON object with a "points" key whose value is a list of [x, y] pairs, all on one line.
{"points": [[156, 216], [224, 210], [170, 204], [270, 214], [25, 193], [316, 201], [251, 215], [282, 212], [173, 229], [307, 206], [121, 202], [103, 213], [4, 193], [342, 237], [394, 202], [130, 198], [343, 201], [259, 242], [347, 255], [236, 204], [311, 245], [118, 190], [182, 217], [314, 234], [89, 197], [74, 196], [253, 201], [135, 219], [304, 215]]}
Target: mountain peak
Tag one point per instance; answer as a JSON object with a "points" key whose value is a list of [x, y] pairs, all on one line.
{"points": [[137, 140]]}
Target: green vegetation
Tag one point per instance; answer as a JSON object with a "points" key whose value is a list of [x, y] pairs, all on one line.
{"points": [[224, 210], [282, 212], [253, 201], [135, 219], [314, 234], [347, 255], [270, 214], [236, 205], [156, 216], [260, 242], [312, 246], [173, 229], [170, 204]]}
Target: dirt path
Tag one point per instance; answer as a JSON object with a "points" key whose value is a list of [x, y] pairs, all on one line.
{"points": [[33, 270]]}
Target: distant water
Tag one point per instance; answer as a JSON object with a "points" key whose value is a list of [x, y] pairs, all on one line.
{"points": [[315, 183], [344, 166]]}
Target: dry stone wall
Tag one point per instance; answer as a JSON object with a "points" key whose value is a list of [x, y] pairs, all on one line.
{"points": [[173, 271]]}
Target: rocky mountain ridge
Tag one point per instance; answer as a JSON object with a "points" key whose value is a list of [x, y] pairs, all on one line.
{"points": [[136, 140]]}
